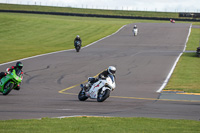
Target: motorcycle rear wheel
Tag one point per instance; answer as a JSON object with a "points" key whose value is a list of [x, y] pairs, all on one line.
{"points": [[103, 96], [8, 87], [81, 96]]}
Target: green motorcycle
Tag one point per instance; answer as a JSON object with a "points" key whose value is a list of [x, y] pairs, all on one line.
{"points": [[11, 81]]}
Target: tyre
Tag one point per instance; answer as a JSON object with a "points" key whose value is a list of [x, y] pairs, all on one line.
{"points": [[102, 96], [7, 88], [77, 49], [17, 88], [136, 33], [81, 96]]}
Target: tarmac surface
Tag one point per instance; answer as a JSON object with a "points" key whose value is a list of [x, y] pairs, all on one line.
{"points": [[51, 82]]}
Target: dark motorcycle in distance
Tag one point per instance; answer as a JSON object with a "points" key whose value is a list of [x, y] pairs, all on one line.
{"points": [[77, 46], [198, 52]]}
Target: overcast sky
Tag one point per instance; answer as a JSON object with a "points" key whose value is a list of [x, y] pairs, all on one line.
{"points": [[141, 5]]}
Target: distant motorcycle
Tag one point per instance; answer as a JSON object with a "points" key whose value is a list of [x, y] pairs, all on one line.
{"points": [[10, 81], [100, 90], [172, 20], [198, 52], [135, 32], [77, 46]]}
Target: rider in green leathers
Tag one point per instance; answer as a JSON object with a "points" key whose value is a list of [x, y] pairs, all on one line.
{"points": [[17, 68]]}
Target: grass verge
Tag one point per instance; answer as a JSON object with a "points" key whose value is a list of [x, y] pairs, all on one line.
{"points": [[88, 11], [99, 125], [185, 76], [194, 39]]}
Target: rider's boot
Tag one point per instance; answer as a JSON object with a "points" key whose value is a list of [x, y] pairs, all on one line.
{"points": [[18, 87]]}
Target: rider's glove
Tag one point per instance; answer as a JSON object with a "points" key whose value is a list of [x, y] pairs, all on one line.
{"points": [[102, 76], [8, 70]]}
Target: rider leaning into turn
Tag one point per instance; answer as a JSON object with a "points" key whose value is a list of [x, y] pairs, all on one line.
{"points": [[103, 75], [18, 66], [77, 39]]}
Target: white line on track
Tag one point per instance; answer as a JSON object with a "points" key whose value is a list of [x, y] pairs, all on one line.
{"points": [[61, 117], [64, 109], [62, 50], [173, 67]]}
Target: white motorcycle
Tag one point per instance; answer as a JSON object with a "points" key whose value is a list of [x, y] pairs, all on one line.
{"points": [[100, 90], [135, 32]]}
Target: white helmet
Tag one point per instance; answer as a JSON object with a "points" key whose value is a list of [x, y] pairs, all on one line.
{"points": [[78, 36], [135, 26], [111, 69]]}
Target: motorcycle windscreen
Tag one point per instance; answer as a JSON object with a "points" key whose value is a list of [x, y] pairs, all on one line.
{"points": [[111, 82], [112, 78], [18, 73]]}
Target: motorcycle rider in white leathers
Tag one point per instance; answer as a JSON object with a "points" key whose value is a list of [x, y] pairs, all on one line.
{"points": [[103, 75]]}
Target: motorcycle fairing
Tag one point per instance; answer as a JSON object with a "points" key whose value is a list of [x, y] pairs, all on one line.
{"points": [[95, 88]]}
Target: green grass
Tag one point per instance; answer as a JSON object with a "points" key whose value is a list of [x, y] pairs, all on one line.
{"points": [[25, 35], [186, 75], [99, 125], [88, 11], [194, 39]]}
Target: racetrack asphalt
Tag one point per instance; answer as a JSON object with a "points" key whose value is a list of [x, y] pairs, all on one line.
{"points": [[51, 82]]}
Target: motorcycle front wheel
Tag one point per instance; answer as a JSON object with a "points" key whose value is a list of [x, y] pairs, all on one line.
{"points": [[8, 87], [81, 96], [102, 96], [78, 48]]}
